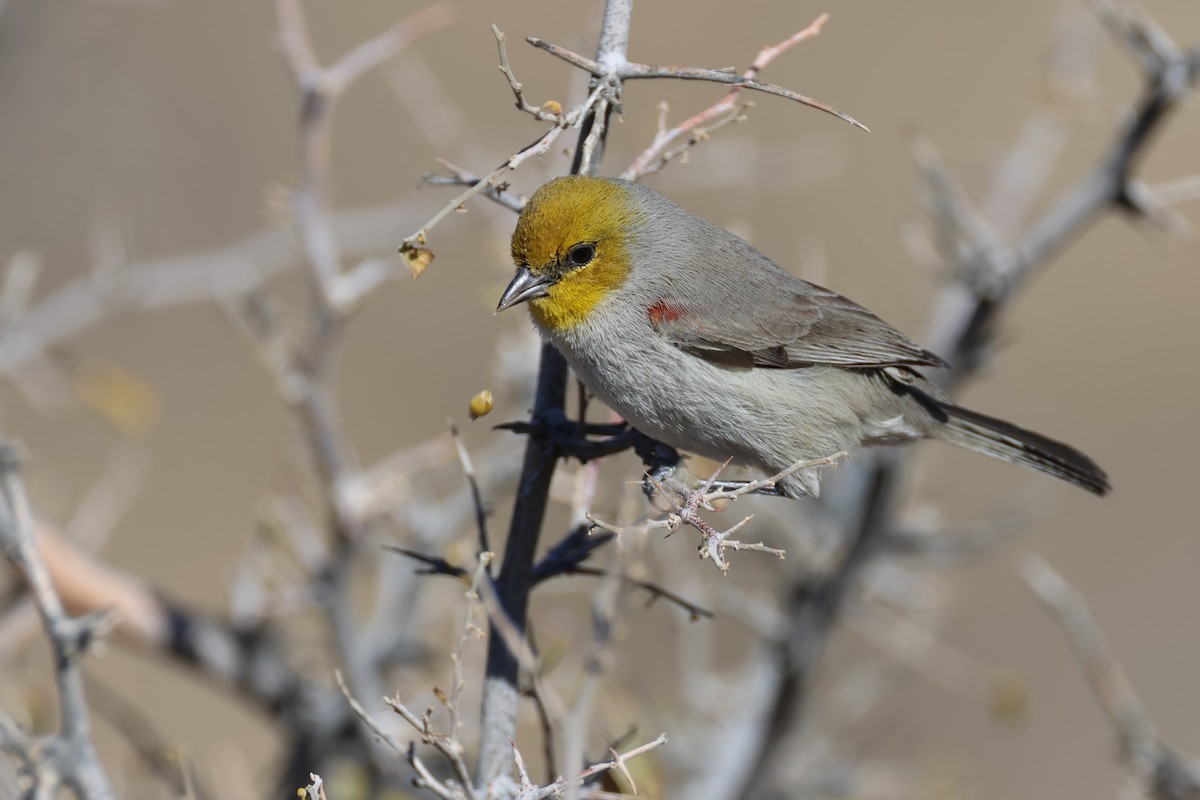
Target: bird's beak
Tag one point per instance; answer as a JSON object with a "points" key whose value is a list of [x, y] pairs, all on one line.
{"points": [[525, 285]]}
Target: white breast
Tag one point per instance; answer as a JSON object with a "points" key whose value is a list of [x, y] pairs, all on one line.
{"points": [[764, 418]]}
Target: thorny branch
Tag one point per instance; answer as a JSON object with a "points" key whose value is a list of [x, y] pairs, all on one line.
{"points": [[530, 792], [557, 563], [413, 245], [460, 177], [448, 744], [631, 71], [608, 72], [686, 503], [698, 127]]}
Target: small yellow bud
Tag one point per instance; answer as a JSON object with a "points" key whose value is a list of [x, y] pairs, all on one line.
{"points": [[552, 107], [481, 404]]}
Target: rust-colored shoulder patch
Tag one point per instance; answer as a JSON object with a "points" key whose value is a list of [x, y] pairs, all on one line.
{"points": [[663, 312]]}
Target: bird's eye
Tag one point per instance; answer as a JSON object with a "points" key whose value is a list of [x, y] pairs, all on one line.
{"points": [[581, 255]]}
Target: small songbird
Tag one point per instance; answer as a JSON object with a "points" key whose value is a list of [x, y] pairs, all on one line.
{"points": [[699, 341]]}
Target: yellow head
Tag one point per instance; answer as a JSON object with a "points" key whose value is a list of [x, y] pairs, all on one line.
{"points": [[571, 248]]}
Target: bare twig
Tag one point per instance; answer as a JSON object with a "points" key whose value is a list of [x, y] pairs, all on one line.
{"points": [[608, 71], [446, 744], [461, 177], [425, 779], [697, 128], [653, 589], [632, 71], [320, 87], [235, 269], [373, 52], [413, 244], [616, 763], [686, 503], [476, 496], [546, 113]]}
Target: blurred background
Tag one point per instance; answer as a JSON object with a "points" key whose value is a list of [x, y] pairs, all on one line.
{"points": [[139, 132]]}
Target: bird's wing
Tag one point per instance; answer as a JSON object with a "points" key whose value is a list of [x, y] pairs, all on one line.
{"points": [[795, 325]]}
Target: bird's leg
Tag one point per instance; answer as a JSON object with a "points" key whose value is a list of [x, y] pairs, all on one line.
{"points": [[661, 461]]}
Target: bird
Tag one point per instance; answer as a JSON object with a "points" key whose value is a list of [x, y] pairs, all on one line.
{"points": [[701, 342]]}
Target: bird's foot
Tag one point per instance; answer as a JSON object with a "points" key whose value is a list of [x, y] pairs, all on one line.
{"points": [[662, 461]]}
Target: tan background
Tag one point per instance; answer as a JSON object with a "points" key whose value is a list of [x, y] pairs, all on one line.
{"points": [[170, 122]]}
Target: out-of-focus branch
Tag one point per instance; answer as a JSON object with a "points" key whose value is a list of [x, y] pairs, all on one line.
{"points": [[374, 52], [68, 757], [320, 88], [1159, 771], [248, 660], [994, 272], [989, 273], [30, 332], [148, 742], [607, 607], [306, 372]]}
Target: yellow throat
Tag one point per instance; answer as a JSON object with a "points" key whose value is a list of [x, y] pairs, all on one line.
{"points": [[564, 213]]}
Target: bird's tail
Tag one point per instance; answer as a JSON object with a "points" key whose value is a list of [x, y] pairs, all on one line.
{"points": [[1007, 442]]}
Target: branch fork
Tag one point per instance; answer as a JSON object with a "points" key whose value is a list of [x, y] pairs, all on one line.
{"points": [[686, 503]]}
